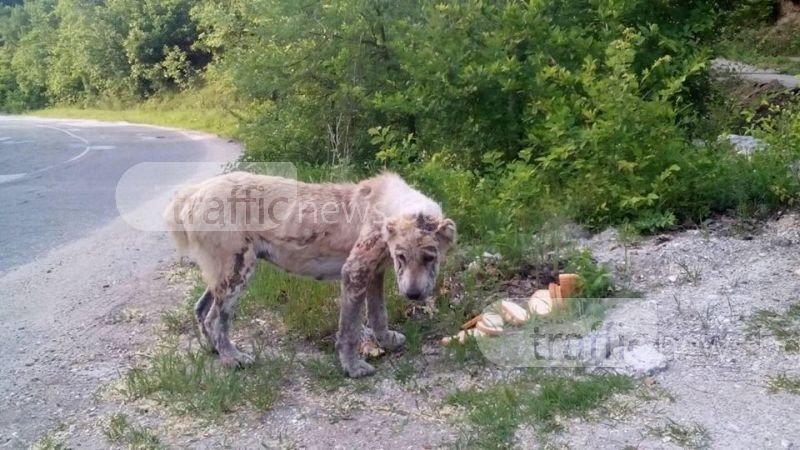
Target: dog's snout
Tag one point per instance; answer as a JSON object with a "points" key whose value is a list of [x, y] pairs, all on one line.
{"points": [[414, 295]]}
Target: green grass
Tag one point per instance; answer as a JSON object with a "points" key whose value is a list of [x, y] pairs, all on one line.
{"points": [[784, 383], [325, 373], [687, 436], [308, 307], [181, 320], [193, 382], [49, 442], [785, 327], [494, 413], [194, 110], [119, 431]]}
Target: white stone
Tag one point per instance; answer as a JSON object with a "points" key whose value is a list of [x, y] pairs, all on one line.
{"points": [[644, 359], [744, 145]]}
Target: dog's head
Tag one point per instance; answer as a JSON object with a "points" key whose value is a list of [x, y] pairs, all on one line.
{"points": [[417, 244]]}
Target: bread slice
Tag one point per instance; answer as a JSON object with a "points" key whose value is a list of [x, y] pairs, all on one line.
{"points": [[540, 302], [555, 296], [475, 332], [491, 324], [513, 313], [570, 284]]}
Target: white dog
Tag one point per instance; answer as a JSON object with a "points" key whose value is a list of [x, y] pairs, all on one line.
{"points": [[326, 231]]}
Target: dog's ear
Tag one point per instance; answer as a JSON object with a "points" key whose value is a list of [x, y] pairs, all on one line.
{"points": [[446, 232]]}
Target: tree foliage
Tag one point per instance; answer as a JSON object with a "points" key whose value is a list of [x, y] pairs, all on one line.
{"points": [[498, 107]]}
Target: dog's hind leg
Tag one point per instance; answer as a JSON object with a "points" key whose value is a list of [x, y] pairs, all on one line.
{"points": [[226, 294], [201, 309]]}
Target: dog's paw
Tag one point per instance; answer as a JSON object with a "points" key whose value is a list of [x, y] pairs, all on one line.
{"points": [[236, 360], [392, 341], [359, 368]]}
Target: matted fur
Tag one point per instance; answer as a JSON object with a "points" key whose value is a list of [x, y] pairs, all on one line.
{"points": [[344, 231]]}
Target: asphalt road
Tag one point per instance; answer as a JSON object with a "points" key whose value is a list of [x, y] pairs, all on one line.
{"points": [[58, 177], [72, 271]]}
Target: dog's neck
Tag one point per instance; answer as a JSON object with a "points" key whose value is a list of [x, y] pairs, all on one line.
{"points": [[399, 199]]}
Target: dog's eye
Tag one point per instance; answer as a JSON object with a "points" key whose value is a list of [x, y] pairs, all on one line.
{"points": [[401, 259], [427, 258]]}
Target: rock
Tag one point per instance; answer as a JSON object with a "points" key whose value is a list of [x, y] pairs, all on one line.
{"points": [[785, 444], [745, 145], [644, 359], [492, 256]]}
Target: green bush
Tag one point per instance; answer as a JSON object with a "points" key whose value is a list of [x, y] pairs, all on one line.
{"points": [[508, 112]]}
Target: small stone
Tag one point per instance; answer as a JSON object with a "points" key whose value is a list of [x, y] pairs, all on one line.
{"points": [[745, 145], [492, 256], [785, 443], [645, 359], [672, 278]]}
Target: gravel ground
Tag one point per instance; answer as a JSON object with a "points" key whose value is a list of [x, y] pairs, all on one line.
{"points": [[700, 289]]}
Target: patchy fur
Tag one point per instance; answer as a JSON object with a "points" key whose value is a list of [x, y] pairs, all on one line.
{"points": [[348, 231]]}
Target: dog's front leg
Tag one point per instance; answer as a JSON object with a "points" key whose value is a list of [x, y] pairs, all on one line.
{"points": [[359, 271], [349, 335], [376, 314]]}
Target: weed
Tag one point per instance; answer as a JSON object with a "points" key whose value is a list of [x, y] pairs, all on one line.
{"points": [[191, 381], [690, 274], [49, 442], [687, 436], [784, 327], [119, 431], [466, 353], [404, 371], [540, 400], [181, 320], [414, 338], [595, 278], [784, 383], [325, 373]]}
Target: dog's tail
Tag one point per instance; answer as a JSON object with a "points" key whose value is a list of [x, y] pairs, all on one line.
{"points": [[177, 214]]}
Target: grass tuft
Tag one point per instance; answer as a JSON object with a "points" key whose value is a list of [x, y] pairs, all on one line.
{"points": [[785, 327], [496, 412], [687, 436], [119, 431], [193, 382], [325, 374], [784, 383], [49, 442]]}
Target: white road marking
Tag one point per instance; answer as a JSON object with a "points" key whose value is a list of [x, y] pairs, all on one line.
{"points": [[17, 176], [11, 177], [74, 158]]}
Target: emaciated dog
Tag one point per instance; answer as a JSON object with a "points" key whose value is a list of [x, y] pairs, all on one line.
{"points": [[348, 231]]}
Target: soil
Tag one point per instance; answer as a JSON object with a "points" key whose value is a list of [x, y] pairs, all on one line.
{"points": [[700, 289]]}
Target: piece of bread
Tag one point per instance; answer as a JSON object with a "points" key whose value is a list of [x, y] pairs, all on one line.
{"points": [[475, 332], [491, 324], [540, 302], [471, 322], [555, 296], [570, 284], [513, 313]]}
